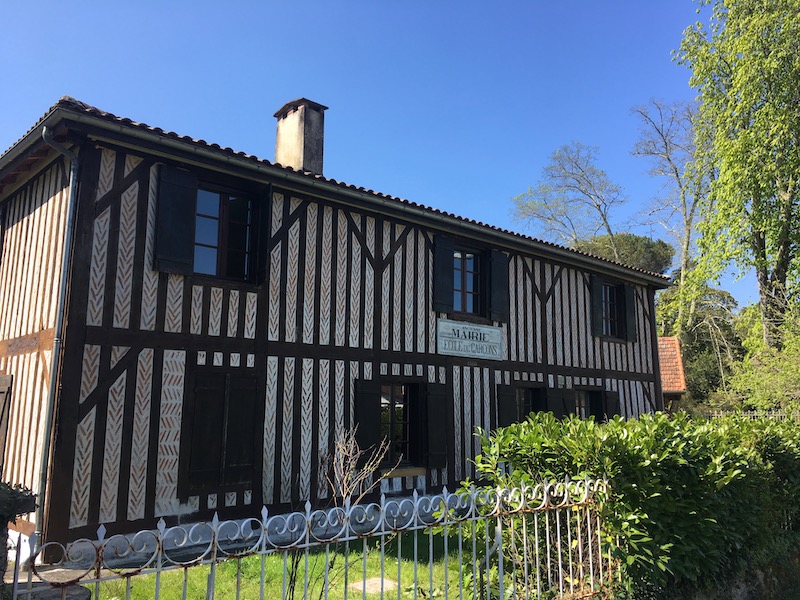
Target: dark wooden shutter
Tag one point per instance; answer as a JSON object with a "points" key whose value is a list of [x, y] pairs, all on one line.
{"points": [[175, 214], [612, 404], [569, 402], [443, 274], [207, 429], [240, 430], [5, 410], [437, 417], [630, 313], [368, 415], [555, 402], [263, 214], [506, 405], [498, 286], [597, 305]]}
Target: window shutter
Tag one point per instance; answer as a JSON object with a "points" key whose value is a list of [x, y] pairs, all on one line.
{"points": [[630, 313], [569, 402], [498, 282], [597, 305], [6, 382], [240, 422], [555, 402], [368, 416], [175, 213], [437, 417], [443, 274], [207, 429], [263, 212], [506, 405], [612, 404]]}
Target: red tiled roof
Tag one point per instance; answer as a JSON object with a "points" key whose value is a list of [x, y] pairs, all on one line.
{"points": [[71, 104], [669, 356]]}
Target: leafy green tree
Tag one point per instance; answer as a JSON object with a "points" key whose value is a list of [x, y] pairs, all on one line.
{"points": [[635, 250], [573, 200], [746, 66]]}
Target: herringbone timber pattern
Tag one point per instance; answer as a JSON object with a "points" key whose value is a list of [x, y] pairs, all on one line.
{"points": [[117, 352], [270, 430], [351, 394], [82, 471], [514, 312], [457, 421], [169, 431], [173, 318], [131, 162], [355, 296], [287, 426], [386, 279], [97, 270], [215, 312], [397, 317], [140, 436], [90, 370], [325, 278], [112, 450], [292, 275], [341, 278], [409, 287], [422, 311], [196, 325], [273, 324], [127, 247], [306, 427], [251, 312], [149, 276], [323, 448], [338, 406], [277, 212], [105, 179], [369, 287], [309, 279], [233, 313]]}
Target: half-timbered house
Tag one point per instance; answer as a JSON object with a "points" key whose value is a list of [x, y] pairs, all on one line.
{"points": [[186, 329]]}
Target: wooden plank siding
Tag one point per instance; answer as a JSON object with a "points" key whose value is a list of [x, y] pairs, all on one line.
{"points": [[33, 219], [344, 294]]}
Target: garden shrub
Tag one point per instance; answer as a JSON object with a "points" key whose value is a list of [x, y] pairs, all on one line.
{"points": [[692, 501]]}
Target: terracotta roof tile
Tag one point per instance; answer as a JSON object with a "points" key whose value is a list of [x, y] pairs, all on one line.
{"points": [[669, 356]]}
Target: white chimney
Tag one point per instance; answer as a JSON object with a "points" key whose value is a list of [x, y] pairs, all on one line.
{"points": [[300, 136]]}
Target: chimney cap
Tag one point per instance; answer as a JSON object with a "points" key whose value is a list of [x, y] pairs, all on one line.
{"points": [[295, 104]]}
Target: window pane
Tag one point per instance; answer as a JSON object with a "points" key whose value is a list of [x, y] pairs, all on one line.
{"points": [[205, 260], [470, 262], [206, 231], [207, 203], [457, 301], [237, 237], [236, 265], [470, 308]]}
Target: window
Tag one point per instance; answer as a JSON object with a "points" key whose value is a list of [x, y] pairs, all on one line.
{"points": [[412, 415], [221, 420], [469, 281], [610, 311], [203, 228], [466, 281], [589, 403], [223, 231], [399, 423], [613, 309]]}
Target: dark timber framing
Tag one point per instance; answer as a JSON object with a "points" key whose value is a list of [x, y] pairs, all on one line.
{"points": [[343, 296]]}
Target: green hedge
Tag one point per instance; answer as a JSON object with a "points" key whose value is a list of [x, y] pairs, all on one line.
{"points": [[692, 501]]}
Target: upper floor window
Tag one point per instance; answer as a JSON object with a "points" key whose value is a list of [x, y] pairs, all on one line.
{"points": [[611, 306], [204, 229], [614, 312], [470, 281], [466, 282], [223, 231]]}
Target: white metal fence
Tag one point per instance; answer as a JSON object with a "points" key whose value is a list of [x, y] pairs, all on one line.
{"points": [[776, 415], [540, 541]]}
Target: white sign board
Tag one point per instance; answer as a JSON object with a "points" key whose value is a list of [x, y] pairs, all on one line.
{"points": [[457, 338]]}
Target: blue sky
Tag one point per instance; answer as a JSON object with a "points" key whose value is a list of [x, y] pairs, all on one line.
{"points": [[456, 105]]}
